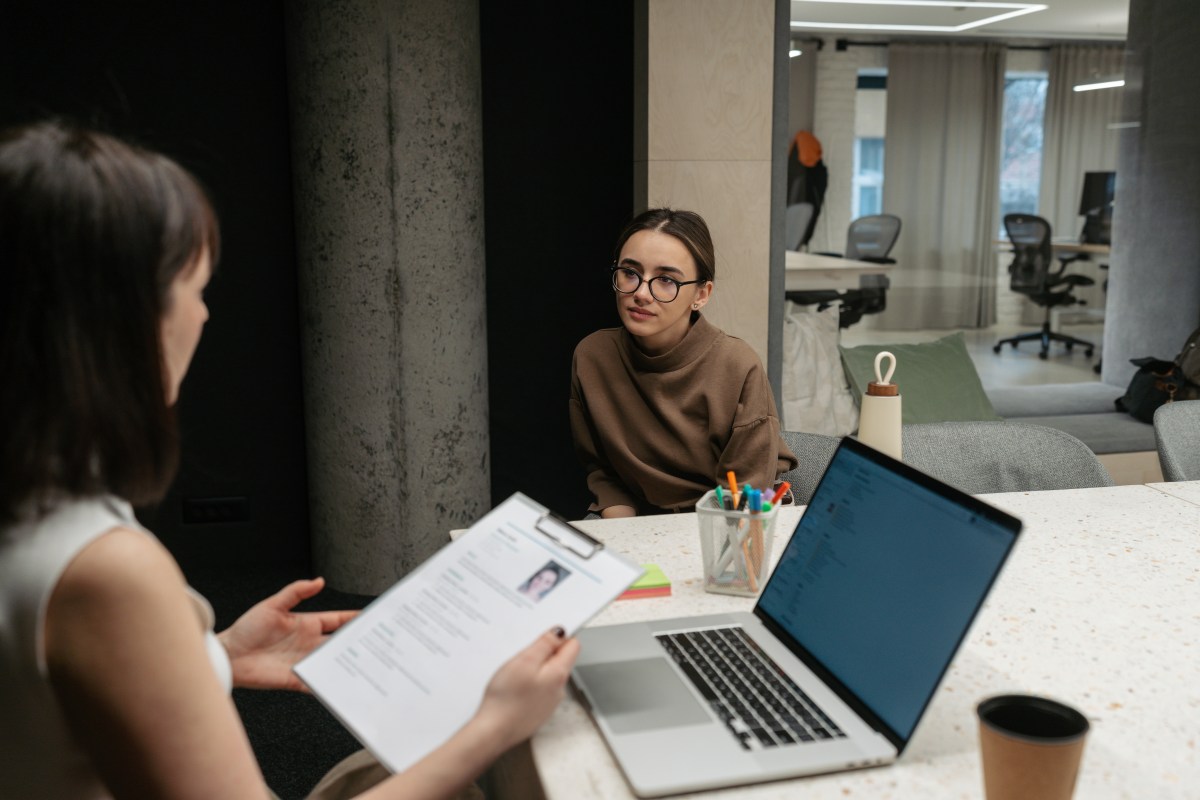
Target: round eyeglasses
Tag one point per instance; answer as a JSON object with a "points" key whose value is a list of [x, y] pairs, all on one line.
{"points": [[663, 288]]}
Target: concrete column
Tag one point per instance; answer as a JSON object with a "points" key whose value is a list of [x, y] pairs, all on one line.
{"points": [[388, 170], [1154, 282]]}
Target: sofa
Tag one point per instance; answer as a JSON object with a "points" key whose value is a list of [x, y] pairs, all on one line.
{"points": [[823, 381], [1084, 410], [1125, 445]]}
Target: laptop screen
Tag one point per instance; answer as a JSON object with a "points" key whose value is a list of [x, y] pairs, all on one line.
{"points": [[882, 578]]}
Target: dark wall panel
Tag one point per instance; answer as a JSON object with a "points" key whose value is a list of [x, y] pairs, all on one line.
{"points": [[206, 84], [1154, 284], [558, 167]]}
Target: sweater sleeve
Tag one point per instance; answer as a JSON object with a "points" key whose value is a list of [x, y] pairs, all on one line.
{"points": [[602, 481], [756, 451]]}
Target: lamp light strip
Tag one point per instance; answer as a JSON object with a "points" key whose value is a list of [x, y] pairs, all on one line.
{"points": [[1015, 10], [1088, 87]]}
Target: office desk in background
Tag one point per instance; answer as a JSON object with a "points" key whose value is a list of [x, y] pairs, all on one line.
{"points": [[810, 271], [1063, 246], [1099, 606]]}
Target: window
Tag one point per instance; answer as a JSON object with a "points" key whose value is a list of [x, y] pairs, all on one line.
{"points": [[1021, 143], [870, 116], [868, 177]]}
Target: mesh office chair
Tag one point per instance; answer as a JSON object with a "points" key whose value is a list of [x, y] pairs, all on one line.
{"points": [[870, 239], [976, 457], [798, 216], [1032, 276], [1177, 434]]}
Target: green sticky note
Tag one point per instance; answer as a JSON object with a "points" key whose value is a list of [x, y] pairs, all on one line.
{"points": [[653, 583], [652, 579]]}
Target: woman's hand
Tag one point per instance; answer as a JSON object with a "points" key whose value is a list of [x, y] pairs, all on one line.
{"points": [[267, 641], [525, 691]]}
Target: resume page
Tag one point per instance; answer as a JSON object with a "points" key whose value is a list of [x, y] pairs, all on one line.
{"points": [[411, 669]]}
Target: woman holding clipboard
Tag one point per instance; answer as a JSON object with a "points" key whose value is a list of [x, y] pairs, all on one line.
{"points": [[112, 682]]}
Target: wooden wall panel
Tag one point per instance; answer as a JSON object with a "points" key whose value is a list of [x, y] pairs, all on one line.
{"points": [[704, 139]]}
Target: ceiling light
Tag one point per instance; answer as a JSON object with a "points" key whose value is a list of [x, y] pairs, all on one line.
{"points": [[1107, 82], [794, 52], [1003, 11]]}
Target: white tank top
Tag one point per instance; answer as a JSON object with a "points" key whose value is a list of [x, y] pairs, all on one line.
{"points": [[38, 758]]}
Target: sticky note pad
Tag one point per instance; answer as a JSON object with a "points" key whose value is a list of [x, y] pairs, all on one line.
{"points": [[652, 584]]}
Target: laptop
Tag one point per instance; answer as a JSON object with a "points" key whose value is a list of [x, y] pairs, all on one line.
{"points": [[833, 668]]}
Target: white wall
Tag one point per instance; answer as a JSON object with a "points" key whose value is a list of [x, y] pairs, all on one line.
{"points": [[833, 125]]}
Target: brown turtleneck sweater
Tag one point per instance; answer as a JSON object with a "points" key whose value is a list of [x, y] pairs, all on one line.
{"points": [[657, 432]]}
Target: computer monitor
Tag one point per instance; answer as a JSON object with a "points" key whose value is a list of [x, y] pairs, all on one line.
{"points": [[1095, 203]]}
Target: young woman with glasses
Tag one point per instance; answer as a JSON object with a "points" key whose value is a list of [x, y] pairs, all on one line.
{"points": [[665, 406], [112, 681]]}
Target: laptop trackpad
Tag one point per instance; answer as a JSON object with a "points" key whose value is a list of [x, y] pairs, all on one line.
{"points": [[641, 695]]}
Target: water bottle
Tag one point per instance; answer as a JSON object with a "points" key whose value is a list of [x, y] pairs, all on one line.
{"points": [[879, 417]]}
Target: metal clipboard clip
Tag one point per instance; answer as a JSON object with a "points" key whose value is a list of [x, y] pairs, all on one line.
{"points": [[567, 536]]}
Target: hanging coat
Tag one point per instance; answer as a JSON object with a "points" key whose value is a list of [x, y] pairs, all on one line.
{"points": [[807, 177]]}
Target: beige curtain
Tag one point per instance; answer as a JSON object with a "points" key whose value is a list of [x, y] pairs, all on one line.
{"points": [[941, 176], [1077, 140], [1077, 137]]}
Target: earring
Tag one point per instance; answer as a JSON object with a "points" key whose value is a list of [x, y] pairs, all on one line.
{"points": [[696, 306]]}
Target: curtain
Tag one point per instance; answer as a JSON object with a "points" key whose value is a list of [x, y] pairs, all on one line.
{"points": [[941, 176], [1077, 140]]}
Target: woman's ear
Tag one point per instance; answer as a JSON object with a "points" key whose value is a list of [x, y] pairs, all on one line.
{"points": [[702, 296]]}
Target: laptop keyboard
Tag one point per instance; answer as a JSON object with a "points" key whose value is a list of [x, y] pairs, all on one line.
{"points": [[761, 706]]}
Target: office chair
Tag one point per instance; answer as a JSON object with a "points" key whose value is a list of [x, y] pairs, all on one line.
{"points": [[1177, 435], [869, 238], [1032, 276], [798, 217], [976, 457]]}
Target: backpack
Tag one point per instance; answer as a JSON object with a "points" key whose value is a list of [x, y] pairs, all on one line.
{"points": [[1189, 364], [1157, 382]]}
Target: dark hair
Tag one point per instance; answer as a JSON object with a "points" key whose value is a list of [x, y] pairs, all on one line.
{"points": [[686, 226], [92, 234]]}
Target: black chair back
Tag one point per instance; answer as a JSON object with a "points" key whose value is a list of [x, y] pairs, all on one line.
{"points": [[872, 237], [1032, 254]]}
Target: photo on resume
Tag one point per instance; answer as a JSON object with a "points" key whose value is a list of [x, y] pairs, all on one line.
{"points": [[542, 582]]}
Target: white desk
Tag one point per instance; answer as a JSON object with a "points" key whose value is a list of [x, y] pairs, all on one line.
{"points": [[1063, 246], [1098, 606], [809, 271], [1184, 490]]}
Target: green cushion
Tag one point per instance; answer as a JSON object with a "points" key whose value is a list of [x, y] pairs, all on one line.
{"points": [[937, 380]]}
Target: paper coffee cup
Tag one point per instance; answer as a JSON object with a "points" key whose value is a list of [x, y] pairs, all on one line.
{"points": [[1031, 747]]}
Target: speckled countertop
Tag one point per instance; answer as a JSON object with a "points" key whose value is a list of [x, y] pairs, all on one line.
{"points": [[1187, 490], [1099, 606]]}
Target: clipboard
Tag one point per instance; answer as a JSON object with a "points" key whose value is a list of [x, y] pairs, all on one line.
{"points": [[411, 669], [566, 535]]}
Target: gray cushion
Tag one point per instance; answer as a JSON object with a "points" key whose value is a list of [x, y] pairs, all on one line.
{"points": [[1014, 456], [813, 451], [937, 380], [1114, 432], [977, 457], [1177, 431], [1053, 399]]}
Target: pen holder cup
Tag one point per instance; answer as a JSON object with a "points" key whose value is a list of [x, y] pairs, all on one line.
{"points": [[735, 547]]}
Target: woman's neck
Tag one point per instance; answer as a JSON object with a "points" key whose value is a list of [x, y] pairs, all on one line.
{"points": [[664, 341]]}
